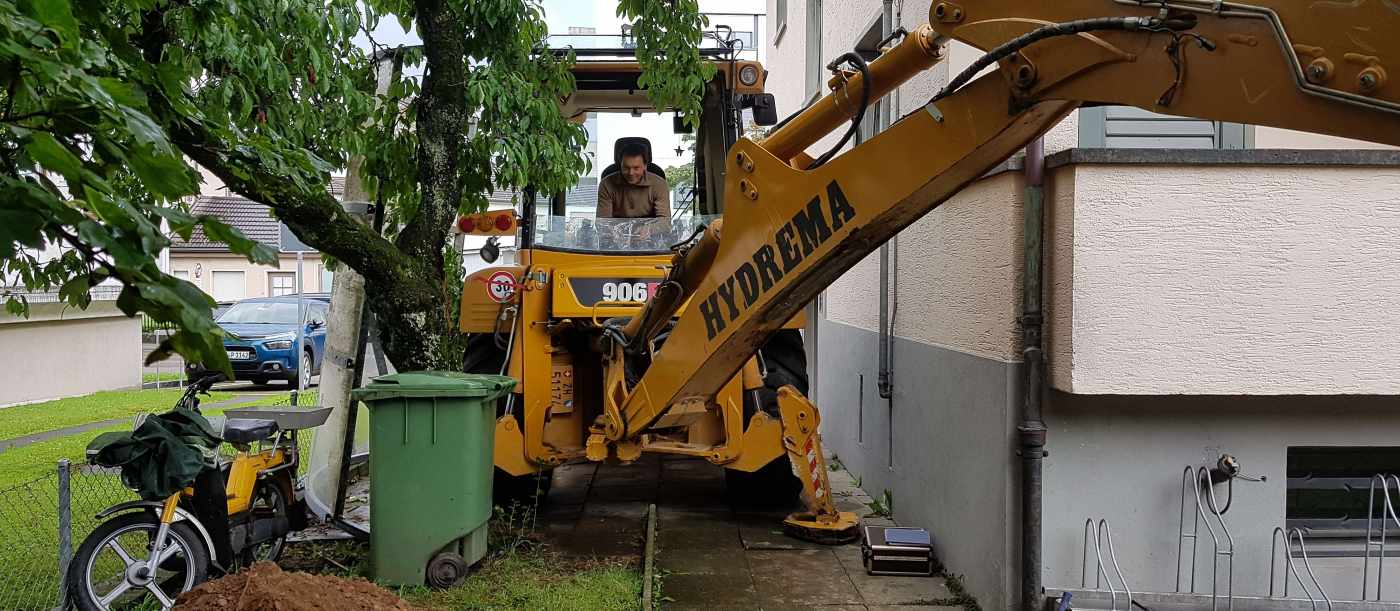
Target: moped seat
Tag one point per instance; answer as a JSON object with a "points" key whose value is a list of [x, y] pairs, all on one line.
{"points": [[243, 430]]}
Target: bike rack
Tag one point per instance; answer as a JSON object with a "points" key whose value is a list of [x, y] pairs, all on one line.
{"points": [[1287, 537], [1102, 533], [1192, 485], [1387, 509]]}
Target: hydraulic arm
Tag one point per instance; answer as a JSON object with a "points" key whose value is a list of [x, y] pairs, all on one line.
{"points": [[794, 224]]}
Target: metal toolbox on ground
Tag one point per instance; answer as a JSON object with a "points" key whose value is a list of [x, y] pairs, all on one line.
{"points": [[895, 550]]}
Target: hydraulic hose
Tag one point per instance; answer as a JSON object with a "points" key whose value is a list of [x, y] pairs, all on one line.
{"points": [[1068, 28], [859, 62]]}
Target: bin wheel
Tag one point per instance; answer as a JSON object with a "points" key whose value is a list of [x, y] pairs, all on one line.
{"points": [[446, 570]]}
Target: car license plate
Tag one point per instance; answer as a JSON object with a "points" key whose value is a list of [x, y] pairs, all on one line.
{"points": [[239, 355]]}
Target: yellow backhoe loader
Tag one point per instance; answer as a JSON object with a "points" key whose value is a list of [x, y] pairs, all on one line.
{"points": [[680, 335]]}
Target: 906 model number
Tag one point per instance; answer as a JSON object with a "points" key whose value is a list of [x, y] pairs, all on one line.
{"points": [[627, 291]]}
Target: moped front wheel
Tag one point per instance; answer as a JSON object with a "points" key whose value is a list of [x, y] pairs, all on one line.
{"points": [[109, 571]]}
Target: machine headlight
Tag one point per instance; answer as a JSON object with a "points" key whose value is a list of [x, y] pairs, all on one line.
{"points": [[281, 344], [748, 75]]}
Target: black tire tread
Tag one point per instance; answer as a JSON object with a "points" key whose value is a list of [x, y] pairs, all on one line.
{"points": [[785, 360], [77, 581]]}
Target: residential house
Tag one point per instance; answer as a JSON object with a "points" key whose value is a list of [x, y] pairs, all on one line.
{"points": [[228, 276], [1210, 289]]}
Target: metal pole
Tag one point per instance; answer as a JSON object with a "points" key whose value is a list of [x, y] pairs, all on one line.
{"points": [[343, 330], [1031, 429], [301, 331], [65, 529], [356, 378]]}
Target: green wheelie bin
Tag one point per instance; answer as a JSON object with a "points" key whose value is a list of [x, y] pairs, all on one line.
{"points": [[432, 435]]}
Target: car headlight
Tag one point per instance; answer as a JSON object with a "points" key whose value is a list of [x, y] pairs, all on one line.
{"points": [[748, 75], [281, 344]]}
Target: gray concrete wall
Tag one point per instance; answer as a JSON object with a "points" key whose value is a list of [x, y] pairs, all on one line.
{"points": [[61, 351], [1122, 458], [942, 446]]}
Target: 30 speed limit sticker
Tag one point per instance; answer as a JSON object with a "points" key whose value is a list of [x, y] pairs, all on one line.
{"points": [[500, 286]]}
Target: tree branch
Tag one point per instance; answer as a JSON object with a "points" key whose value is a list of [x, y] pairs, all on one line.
{"points": [[316, 218]]}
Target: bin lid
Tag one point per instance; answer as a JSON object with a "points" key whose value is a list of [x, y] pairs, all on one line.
{"points": [[434, 384]]}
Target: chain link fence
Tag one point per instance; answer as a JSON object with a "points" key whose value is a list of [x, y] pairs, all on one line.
{"points": [[42, 522]]}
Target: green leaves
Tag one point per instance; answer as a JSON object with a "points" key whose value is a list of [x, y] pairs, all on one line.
{"points": [[115, 97], [46, 150], [668, 36], [56, 15]]}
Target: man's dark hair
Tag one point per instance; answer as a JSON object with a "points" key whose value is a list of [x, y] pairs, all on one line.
{"points": [[633, 149]]}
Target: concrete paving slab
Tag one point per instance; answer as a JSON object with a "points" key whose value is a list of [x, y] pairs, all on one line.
{"points": [[560, 513], [821, 607], [890, 589], [615, 493], [707, 578], [853, 504], [627, 510], [763, 531], [604, 537], [801, 578], [907, 607], [567, 496]]}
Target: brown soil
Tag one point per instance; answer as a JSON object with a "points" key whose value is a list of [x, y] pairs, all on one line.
{"points": [[264, 587]]}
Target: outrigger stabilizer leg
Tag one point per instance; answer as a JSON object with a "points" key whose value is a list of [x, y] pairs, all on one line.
{"points": [[821, 523]]}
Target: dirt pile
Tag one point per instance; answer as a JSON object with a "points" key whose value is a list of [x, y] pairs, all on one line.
{"points": [[265, 587]]}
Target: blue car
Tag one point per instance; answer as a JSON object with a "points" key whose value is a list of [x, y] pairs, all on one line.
{"points": [[260, 336]]}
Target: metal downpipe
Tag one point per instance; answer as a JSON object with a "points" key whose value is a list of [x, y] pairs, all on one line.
{"points": [[1031, 429]]}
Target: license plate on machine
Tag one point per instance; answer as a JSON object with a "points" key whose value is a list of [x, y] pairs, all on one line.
{"points": [[240, 355]]}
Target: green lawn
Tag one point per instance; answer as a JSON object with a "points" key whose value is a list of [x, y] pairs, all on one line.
{"points": [[164, 376], [538, 581], [26, 463], [22, 420]]}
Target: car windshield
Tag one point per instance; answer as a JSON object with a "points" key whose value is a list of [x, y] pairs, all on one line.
{"points": [[261, 312]]}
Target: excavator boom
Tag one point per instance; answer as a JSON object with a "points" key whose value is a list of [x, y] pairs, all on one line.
{"points": [[792, 225]]}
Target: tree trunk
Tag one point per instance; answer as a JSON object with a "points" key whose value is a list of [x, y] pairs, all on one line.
{"points": [[405, 278], [414, 325]]}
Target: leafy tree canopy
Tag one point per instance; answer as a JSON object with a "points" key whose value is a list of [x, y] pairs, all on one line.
{"points": [[106, 105]]}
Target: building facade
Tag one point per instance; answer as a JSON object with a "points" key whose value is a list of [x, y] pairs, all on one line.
{"points": [[227, 276], [1209, 289]]}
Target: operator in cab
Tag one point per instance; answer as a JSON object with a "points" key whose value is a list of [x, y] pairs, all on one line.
{"points": [[634, 190]]}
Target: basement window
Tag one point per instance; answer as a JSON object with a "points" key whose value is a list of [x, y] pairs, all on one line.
{"points": [[1329, 488]]}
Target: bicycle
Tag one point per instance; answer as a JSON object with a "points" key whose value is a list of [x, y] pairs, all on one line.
{"points": [[160, 549]]}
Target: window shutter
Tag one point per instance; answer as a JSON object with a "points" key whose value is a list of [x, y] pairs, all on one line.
{"points": [[1130, 127]]}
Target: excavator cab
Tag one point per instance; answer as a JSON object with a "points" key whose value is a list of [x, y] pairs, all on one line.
{"points": [[556, 319]]}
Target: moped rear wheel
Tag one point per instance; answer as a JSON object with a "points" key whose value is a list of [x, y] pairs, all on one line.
{"points": [[108, 571], [269, 502]]}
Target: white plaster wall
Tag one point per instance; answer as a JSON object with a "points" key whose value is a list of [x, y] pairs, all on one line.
{"points": [[61, 351], [1232, 280], [1058, 304], [854, 299], [1276, 138], [959, 272]]}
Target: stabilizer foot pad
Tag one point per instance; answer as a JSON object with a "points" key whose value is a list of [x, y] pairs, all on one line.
{"points": [[842, 528]]}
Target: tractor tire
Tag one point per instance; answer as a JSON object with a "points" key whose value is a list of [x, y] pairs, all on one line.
{"points": [[773, 485], [484, 356]]}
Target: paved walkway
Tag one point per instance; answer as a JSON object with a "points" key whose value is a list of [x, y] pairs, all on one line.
{"points": [[715, 556]]}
